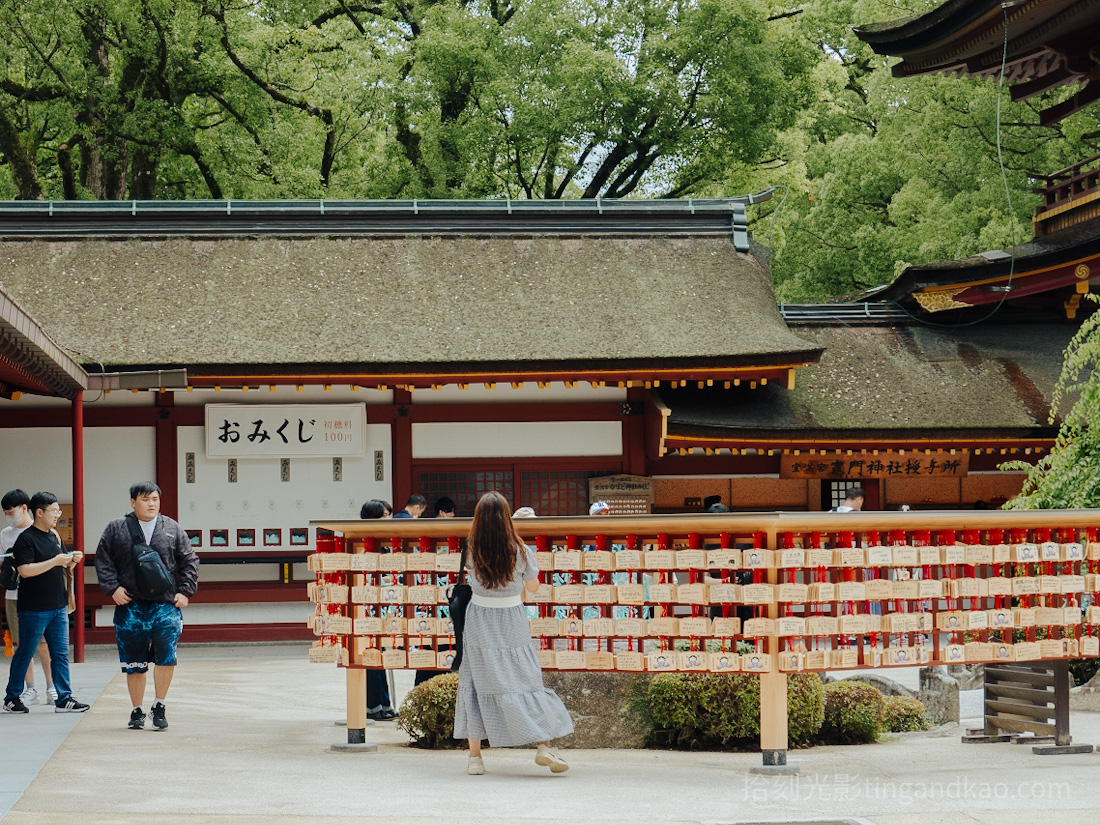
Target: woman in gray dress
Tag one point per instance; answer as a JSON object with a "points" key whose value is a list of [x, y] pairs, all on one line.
{"points": [[500, 692]]}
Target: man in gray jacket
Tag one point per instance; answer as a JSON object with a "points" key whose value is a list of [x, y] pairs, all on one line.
{"points": [[148, 625]]}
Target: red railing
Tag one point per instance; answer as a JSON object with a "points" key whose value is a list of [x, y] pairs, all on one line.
{"points": [[1069, 184]]}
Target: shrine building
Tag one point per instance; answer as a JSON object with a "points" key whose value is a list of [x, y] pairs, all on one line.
{"points": [[269, 364]]}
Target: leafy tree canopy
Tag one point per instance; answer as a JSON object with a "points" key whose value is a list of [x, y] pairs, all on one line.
{"points": [[397, 98], [1069, 476]]}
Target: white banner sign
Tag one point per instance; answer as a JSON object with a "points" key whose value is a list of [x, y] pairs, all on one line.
{"points": [[285, 430]]}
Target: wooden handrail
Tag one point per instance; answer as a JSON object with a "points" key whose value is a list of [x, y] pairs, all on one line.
{"points": [[1066, 172], [739, 523]]}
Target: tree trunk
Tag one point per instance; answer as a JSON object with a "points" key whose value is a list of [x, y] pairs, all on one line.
{"points": [[24, 170]]}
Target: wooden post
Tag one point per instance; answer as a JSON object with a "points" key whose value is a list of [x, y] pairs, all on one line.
{"points": [[357, 705], [773, 715], [773, 692], [356, 678], [1062, 685]]}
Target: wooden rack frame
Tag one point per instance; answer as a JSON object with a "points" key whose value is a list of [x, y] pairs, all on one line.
{"points": [[769, 593]]}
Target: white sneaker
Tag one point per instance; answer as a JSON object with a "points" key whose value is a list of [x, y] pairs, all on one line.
{"points": [[30, 696], [51, 692], [475, 767], [550, 756]]}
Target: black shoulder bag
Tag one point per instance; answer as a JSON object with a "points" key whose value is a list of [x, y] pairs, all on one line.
{"points": [[152, 576], [9, 573], [458, 597]]}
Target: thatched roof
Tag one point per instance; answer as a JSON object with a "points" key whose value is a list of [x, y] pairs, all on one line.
{"points": [[397, 302], [895, 380]]}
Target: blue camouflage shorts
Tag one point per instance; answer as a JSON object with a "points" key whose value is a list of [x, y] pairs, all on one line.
{"points": [[147, 632]]}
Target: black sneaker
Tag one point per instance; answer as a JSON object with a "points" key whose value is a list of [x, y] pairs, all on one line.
{"points": [[137, 719], [69, 705], [159, 720], [15, 706]]}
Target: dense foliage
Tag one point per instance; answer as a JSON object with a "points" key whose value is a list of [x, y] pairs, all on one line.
{"points": [[120, 99], [712, 711], [427, 714], [398, 98], [854, 713], [1069, 475], [903, 714]]}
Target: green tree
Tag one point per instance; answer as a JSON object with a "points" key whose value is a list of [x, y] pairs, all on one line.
{"points": [[412, 98], [93, 97], [1069, 475], [883, 172]]}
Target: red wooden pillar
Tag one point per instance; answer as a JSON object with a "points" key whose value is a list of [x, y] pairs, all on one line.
{"points": [[634, 430], [403, 484], [78, 522], [167, 455]]}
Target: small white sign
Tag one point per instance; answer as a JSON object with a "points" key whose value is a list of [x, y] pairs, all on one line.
{"points": [[285, 430]]}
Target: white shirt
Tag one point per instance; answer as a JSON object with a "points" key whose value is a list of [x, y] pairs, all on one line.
{"points": [[7, 541], [147, 528]]}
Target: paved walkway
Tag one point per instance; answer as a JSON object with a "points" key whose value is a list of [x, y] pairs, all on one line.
{"points": [[250, 730]]}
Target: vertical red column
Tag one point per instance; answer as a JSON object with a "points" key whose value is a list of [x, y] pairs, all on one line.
{"points": [[403, 485], [167, 456], [634, 429], [78, 523]]}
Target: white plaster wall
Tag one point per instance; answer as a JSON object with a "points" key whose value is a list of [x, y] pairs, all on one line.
{"points": [[40, 458], [517, 438], [506, 394], [259, 499], [241, 573]]}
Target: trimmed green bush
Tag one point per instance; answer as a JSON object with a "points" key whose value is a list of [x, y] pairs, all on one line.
{"points": [[1082, 670], [904, 714], [428, 713], [853, 713], [709, 710], [805, 708]]}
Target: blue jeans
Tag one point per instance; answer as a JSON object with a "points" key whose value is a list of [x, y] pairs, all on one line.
{"points": [[34, 625]]}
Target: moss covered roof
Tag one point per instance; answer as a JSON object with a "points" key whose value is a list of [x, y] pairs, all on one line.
{"points": [[410, 300], [887, 379]]}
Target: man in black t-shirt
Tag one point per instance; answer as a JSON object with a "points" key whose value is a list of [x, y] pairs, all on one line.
{"points": [[43, 605]]}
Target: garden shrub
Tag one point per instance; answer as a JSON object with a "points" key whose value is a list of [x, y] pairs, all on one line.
{"points": [[428, 713], [904, 714], [709, 710], [1082, 670], [805, 708], [853, 713]]}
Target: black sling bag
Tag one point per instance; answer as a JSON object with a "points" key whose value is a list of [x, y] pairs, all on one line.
{"points": [[152, 576]]}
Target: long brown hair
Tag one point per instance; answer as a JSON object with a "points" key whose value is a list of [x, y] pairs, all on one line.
{"points": [[493, 541]]}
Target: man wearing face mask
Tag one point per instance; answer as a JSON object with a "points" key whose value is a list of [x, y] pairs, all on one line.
{"points": [[43, 604], [17, 518]]}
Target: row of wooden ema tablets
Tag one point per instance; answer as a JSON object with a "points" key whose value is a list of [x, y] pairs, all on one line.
{"points": [[391, 640]]}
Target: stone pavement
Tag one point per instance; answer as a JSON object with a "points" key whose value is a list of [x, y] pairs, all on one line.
{"points": [[250, 730]]}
